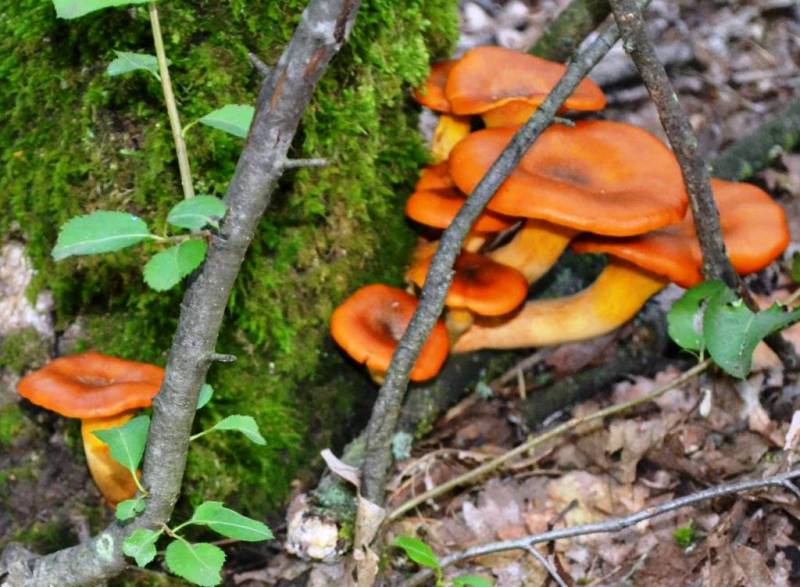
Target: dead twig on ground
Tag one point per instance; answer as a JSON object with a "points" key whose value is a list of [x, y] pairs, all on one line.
{"points": [[612, 525]]}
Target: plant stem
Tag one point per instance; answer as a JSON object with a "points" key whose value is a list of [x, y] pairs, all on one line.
{"points": [[172, 108]]}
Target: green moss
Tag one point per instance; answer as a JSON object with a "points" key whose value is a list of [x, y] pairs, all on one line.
{"points": [[12, 423], [74, 140], [23, 349]]}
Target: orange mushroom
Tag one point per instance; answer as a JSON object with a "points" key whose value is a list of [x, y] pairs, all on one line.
{"points": [[603, 177], [480, 286], [755, 232], [506, 86], [369, 324], [103, 392]]}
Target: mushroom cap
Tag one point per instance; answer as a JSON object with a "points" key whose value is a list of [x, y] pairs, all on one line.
{"points": [[431, 94], [480, 285], [369, 324], [486, 78], [438, 206], [598, 176], [754, 229], [435, 177], [91, 385]]}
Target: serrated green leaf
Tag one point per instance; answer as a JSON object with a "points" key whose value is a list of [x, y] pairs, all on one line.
{"points": [[685, 318], [166, 269], [99, 232], [76, 8], [127, 61], [418, 551], [199, 563], [234, 119], [471, 581], [244, 424], [126, 443], [141, 546], [197, 212], [206, 392], [732, 330], [130, 508], [230, 523]]}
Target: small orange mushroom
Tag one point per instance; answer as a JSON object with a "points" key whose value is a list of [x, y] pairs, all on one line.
{"points": [[480, 286], [102, 391], [369, 324], [755, 232]]}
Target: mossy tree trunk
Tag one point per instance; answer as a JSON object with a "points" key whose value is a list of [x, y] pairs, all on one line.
{"points": [[74, 140]]}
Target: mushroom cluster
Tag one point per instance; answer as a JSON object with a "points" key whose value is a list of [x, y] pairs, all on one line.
{"points": [[596, 185]]}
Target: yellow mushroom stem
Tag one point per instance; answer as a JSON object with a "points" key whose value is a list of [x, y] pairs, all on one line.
{"points": [[613, 299], [535, 248], [449, 132], [458, 321], [377, 376], [512, 113], [112, 479], [473, 242]]}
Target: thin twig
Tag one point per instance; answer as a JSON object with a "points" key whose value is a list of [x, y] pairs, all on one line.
{"points": [[386, 410], [322, 30], [297, 163], [612, 525], [536, 441], [546, 564], [259, 65], [172, 107]]}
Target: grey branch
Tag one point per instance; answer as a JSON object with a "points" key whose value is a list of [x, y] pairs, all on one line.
{"points": [[222, 358], [259, 65], [551, 570], [612, 525], [387, 407], [321, 32], [298, 163]]}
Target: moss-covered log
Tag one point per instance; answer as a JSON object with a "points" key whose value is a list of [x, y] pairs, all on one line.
{"points": [[74, 140]]}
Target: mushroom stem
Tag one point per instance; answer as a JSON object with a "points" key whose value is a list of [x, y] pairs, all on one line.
{"points": [[614, 298], [458, 321], [473, 242], [113, 480], [449, 131], [535, 248]]}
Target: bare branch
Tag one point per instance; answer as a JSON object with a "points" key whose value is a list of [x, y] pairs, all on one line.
{"points": [[259, 65], [321, 32], [297, 163], [546, 564], [387, 407], [612, 525]]}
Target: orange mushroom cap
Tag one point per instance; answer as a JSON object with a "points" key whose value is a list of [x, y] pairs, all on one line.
{"points": [[91, 385], [600, 176], [486, 78], [754, 229], [431, 94], [437, 208], [435, 177], [369, 324], [480, 285]]}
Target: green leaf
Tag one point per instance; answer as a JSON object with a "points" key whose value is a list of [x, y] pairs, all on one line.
{"points": [[418, 551], [685, 318], [232, 118], [76, 8], [130, 508], [141, 545], [244, 424], [99, 232], [230, 523], [732, 330], [197, 212], [200, 563], [205, 395], [166, 269], [795, 269], [127, 442], [127, 62], [471, 581]]}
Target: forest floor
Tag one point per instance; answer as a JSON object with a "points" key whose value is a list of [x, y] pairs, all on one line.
{"points": [[733, 64]]}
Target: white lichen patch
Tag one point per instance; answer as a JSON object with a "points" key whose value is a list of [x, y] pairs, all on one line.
{"points": [[16, 310]]}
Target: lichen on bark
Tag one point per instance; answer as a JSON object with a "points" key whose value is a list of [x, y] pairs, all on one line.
{"points": [[75, 140]]}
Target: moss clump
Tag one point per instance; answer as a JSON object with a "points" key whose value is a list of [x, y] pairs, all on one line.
{"points": [[23, 349], [74, 140], [12, 423]]}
